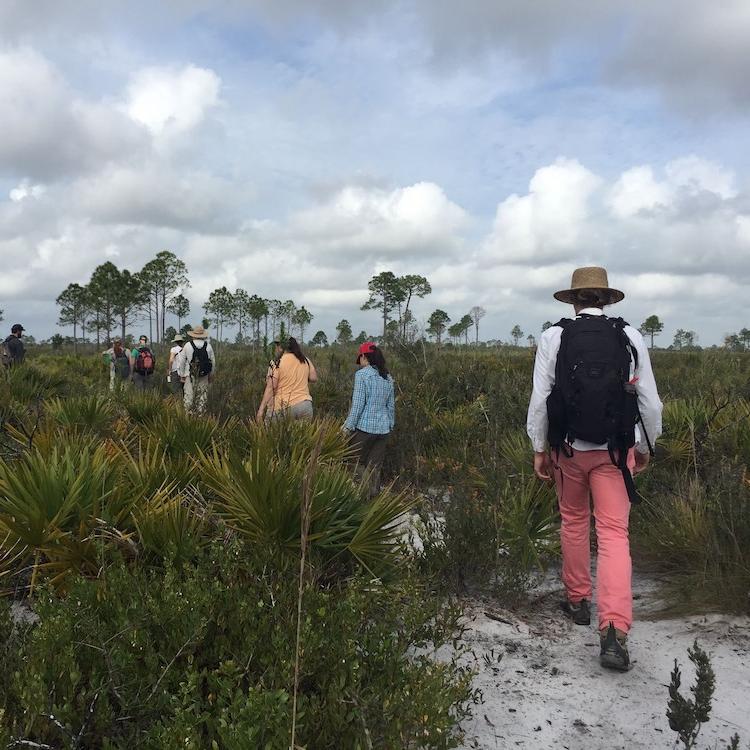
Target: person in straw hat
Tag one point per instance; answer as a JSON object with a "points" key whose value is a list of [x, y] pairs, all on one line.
{"points": [[196, 367], [593, 416]]}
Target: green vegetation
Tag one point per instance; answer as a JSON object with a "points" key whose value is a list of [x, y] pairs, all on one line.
{"points": [[687, 715], [166, 555]]}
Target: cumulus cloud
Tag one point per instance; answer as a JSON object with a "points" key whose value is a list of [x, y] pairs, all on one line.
{"points": [[26, 190], [172, 101], [675, 237], [545, 224], [418, 219], [155, 194], [48, 130]]}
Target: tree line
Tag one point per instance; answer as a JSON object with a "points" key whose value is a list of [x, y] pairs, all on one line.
{"points": [[116, 299]]}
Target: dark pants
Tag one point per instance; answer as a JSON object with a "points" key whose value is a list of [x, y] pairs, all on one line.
{"points": [[369, 452], [175, 383], [142, 381]]}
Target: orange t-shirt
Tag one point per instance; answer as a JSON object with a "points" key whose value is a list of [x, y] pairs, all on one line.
{"points": [[290, 381]]}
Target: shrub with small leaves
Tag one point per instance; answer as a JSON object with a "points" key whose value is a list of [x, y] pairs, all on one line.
{"points": [[686, 715]]}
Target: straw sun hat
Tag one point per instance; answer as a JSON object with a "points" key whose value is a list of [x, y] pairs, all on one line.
{"points": [[199, 332], [590, 278]]}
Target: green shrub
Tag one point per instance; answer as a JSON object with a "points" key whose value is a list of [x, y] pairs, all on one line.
{"points": [[494, 536], [204, 654]]}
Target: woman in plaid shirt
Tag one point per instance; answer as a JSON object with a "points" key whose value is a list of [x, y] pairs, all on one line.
{"points": [[372, 416]]}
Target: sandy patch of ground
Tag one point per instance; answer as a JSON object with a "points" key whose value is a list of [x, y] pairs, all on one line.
{"points": [[543, 686]]}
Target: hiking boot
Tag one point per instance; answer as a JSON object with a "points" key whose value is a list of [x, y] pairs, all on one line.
{"points": [[578, 612], [614, 653]]}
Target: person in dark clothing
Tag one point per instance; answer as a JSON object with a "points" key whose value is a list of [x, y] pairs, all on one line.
{"points": [[13, 349], [144, 363]]}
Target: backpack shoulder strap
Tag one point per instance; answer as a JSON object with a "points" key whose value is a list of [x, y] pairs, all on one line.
{"points": [[620, 325]]}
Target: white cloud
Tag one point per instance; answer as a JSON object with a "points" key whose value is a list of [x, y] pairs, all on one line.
{"points": [[638, 190], [156, 194], [546, 223], [48, 130], [696, 175], [172, 101], [26, 190], [418, 219]]}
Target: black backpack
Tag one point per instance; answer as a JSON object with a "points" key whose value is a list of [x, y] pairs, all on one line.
{"points": [[593, 399], [200, 362], [122, 365]]}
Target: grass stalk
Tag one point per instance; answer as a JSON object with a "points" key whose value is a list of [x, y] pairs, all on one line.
{"points": [[308, 488]]}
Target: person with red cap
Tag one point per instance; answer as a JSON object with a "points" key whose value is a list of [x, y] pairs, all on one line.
{"points": [[372, 416]]}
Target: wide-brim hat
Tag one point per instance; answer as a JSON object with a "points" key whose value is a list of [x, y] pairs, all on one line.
{"points": [[590, 278], [178, 339], [199, 332]]}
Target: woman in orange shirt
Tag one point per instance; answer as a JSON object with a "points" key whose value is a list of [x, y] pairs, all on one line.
{"points": [[287, 384]]}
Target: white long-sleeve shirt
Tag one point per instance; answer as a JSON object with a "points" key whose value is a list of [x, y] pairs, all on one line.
{"points": [[649, 403], [185, 357]]}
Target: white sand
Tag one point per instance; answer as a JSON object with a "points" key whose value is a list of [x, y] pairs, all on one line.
{"points": [[544, 688]]}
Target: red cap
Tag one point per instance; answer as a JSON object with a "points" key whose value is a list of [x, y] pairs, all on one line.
{"points": [[365, 348]]}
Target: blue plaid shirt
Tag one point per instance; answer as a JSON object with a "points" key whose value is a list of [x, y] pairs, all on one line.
{"points": [[373, 403]]}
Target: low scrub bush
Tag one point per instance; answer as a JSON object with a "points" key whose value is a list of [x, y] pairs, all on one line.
{"points": [[202, 656], [490, 537]]}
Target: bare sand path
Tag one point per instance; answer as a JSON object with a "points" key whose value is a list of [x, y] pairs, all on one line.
{"points": [[543, 686]]}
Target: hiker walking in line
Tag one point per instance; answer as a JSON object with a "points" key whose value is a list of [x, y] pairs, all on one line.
{"points": [[13, 351], [196, 366], [120, 363], [372, 415], [173, 376], [144, 364], [287, 385], [267, 397], [593, 417]]}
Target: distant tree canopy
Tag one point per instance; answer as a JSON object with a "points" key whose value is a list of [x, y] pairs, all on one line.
{"points": [[319, 339], [436, 324], [389, 293], [652, 326], [343, 332]]}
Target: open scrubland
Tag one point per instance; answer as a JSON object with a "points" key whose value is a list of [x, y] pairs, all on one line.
{"points": [[196, 582]]}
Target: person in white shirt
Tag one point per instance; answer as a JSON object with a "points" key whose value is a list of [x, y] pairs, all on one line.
{"points": [[173, 377], [586, 470], [196, 367]]}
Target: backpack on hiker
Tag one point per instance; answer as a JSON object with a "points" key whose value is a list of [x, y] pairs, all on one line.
{"points": [[200, 362], [121, 365], [593, 398], [145, 361], [6, 356]]}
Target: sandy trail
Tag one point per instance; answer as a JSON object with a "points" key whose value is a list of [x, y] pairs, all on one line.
{"points": [[543, 686]]}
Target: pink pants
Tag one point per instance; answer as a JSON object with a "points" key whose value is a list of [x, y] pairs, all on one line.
{"points": [[583, 475]]}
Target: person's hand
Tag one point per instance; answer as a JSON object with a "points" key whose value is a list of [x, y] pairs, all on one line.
{"points": [[259, 416], [641, 462], [183, 380], [543, 466], [345, 430]]}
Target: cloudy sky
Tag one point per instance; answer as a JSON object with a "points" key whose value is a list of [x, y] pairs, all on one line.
{"points": [[296, 147]]}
